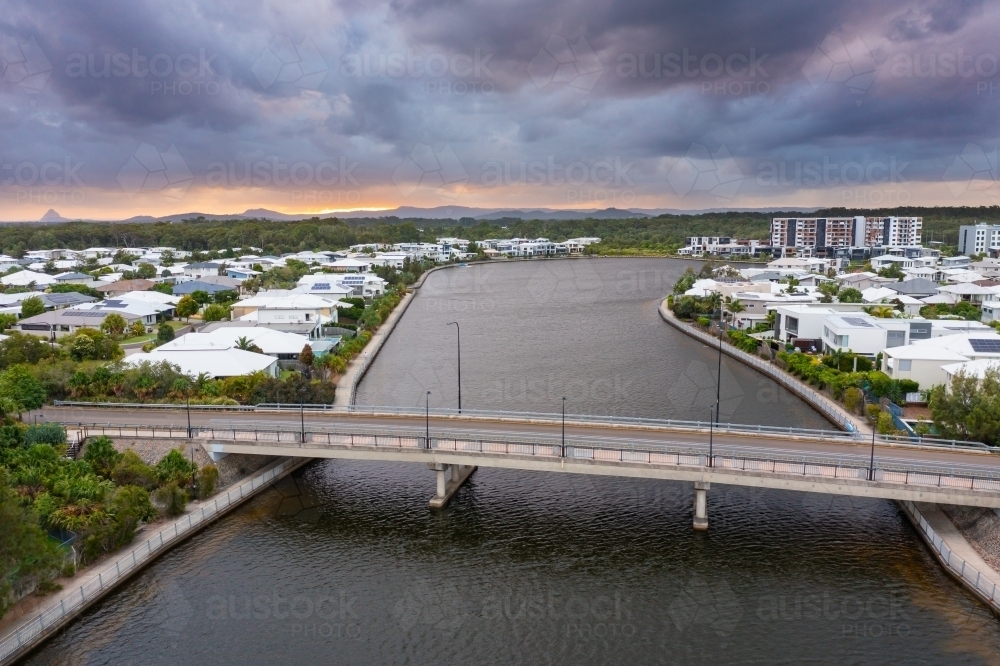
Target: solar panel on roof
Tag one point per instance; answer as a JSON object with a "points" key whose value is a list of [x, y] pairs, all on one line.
{"points": [[985, 345], [89, 313], [858, 321], [321, 285]]}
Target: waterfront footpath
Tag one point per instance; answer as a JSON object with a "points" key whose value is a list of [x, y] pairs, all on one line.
{"points": [[95, 583], [959, 554]]}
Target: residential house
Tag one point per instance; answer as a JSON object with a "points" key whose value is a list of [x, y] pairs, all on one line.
{"points": [[27, 278], [124, 287], [216, 359]]}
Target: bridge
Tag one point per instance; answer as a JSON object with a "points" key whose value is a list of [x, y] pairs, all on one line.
{"points": [[453, 445]]}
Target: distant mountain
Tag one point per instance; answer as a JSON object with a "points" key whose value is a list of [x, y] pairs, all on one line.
{"points": [[53, 216]]}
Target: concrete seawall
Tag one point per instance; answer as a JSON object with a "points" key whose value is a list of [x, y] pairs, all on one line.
{"points": [[825, 406]]}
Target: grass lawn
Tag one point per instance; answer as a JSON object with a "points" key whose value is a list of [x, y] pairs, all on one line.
{"points": [[152, 336]]}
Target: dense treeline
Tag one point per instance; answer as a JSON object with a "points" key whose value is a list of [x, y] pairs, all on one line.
{"points": [[654, 234]]}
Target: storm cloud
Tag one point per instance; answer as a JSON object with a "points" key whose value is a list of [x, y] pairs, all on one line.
{"points": [[116, 108]]}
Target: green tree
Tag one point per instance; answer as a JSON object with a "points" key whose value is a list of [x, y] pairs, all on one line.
{"points": [[226, 296], [6, 321], [146, 271], [25, 549], [163, 288], [164, 333], [215, 312], [172, 499], [137, 329], [829, 291], [969, 408], [849, 295], [82, 348], [201, 297], [32, 306], [114, 324], [187, 307], [132, 471], [23, 348], [17, 384]]}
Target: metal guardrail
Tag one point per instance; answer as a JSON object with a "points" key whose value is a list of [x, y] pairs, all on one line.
{"points": [[134, 559], [986, 586], [824, 466], [674, 424]]}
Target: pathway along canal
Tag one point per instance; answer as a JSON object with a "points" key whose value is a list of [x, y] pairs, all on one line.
{"points": [[345, 564]]}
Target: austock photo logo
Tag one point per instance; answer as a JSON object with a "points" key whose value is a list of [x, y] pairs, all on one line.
{"points": [[150, 171], [425, 170], [560, 63], [838, 62], [23, 63], [285, 61], [973, 172], [709, 173]]}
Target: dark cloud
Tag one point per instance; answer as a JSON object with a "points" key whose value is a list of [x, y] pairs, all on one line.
{"points": [[518, 81]]}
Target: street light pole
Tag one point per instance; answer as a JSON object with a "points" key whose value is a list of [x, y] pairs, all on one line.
{"points": [[302, 415], [871, 462], [564, 427], [427, 421], [459, 331], [188, 400], [711, 436], [718, 378]]}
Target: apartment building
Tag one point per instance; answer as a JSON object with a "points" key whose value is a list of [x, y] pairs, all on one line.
{"points": [[978, 238], [824, 234]]}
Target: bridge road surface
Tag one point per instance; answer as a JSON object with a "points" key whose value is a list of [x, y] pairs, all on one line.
{"points": [[619, 434]]}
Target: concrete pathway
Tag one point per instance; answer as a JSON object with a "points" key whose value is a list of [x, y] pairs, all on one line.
{"points": [[958, 544]]}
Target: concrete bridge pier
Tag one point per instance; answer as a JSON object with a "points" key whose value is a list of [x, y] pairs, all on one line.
{"points": [[447, 487], [701, 505]]}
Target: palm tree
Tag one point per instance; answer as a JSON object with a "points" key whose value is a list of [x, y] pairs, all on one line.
{"points": [[714, 301], [881, 311], [734, 307], [243, 343]]}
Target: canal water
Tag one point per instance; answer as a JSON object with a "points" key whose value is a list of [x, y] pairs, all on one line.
{"points": [[343, 563]]}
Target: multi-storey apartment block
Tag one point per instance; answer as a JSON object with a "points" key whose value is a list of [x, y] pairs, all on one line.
{"points": [[829, 233], [978, 238]]}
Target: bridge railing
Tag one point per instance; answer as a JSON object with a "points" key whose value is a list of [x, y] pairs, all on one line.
{"points": [[986, 586], [132, 560], [743, 459]]}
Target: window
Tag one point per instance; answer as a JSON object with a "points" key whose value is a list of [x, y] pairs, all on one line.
{"points": [[905, 365], [895, 339]]}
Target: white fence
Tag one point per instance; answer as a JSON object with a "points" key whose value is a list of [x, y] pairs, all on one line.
{"points": [[972, 577], [55, 615]]}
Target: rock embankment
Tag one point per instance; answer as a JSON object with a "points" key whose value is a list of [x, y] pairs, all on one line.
{"points": [[232, 468], [980, 527]]}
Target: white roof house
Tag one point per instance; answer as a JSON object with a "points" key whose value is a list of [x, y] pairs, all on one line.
{"points": [[975, 345], [271, 342], [286, 306], [24, 278], [886, 260], [923, 364], [152, 297], [864, 334], [878, 294], [968, 291], [214, 358], [976, 369]]}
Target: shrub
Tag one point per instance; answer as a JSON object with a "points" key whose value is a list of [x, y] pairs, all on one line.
{"points": [[102, 456], [208, 478], [175, 468], [703, 321], [872, 411], [132, 471], [885, 424], [853, 399], [165, 333], [171, 499], [45, 433]]}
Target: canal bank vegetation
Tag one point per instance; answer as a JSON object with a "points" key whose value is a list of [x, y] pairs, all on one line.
{"points": [[57, 513], [968, 409]]}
